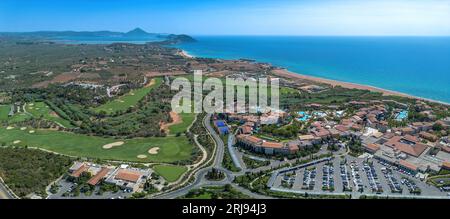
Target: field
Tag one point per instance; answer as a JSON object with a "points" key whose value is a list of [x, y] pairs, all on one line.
{"points": [[126, 101], [187, 118], [40, 109], [171, 149], [4, 110], [170, 172]]}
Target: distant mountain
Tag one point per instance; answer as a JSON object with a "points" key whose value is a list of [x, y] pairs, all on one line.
{"points": [[137, 32], [182, 38]]}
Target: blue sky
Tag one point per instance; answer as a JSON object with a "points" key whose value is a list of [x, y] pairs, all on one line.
{"points": [[232, 17]]}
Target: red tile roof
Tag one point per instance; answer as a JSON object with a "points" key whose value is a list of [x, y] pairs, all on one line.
{"points": [[446, 165], [373, 147], [100, 175], [80, 170], [408, 165], [269, 144], [414, 149], [128, 175]]}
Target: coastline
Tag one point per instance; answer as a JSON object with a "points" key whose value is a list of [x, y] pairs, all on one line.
{"points": [[282, 72], [185, 54]]}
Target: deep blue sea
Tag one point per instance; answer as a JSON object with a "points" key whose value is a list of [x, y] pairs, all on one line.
{"points": [[418, 66]]}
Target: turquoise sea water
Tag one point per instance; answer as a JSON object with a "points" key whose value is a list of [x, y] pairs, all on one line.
{"points": [[418, 66]]}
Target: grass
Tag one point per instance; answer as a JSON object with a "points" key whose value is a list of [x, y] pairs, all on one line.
{"points": [[170, 172], [187, 118], [216, 192], [41, 110], [172, 149], [126, 101], [4, 111]]}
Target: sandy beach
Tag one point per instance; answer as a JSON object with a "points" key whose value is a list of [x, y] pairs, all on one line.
{"points": [[186, 54], [288, 74]]}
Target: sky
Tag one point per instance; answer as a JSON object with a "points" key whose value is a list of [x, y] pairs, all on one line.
{"points": [[232, 17]]}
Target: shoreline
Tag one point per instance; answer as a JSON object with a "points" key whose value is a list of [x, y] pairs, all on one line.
{"points": [[283, 72], [185, 54]]}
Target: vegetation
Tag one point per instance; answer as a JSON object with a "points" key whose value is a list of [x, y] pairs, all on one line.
{"points": [[170, 172], [215, 175], [221, 192], [28, 171], [42, 111], [128, 100], [171, 149], [253, 164], [227, 162]]}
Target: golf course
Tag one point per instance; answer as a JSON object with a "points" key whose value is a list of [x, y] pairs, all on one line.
{"points": [[170, 172], [128, 100], [170, 149]]}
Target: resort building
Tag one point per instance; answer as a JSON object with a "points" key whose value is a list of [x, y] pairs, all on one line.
{"points": [[128, 178], [266, 147]]}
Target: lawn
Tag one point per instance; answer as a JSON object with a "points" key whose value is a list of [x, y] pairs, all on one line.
{"points": [[4, 111], [187, 118], [171, 149], [126, 101], [170, 172], [40, 109]]}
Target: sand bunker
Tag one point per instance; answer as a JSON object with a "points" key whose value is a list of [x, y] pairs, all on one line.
{"points": [[154, 150], [23, 128], [141, 156], [31, 131], [176, 119], [16, 142], [9, 128], [152, 82], [111, 145]]}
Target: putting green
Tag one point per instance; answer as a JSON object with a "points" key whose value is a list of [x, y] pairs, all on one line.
{"points": [[171, 149], [170, 172]]}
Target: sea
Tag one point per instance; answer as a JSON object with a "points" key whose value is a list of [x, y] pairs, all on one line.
{"points": [[418, 66]]}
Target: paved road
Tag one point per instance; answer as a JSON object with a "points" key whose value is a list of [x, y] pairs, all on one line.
{"points": [[4, 192], [199, 176]]}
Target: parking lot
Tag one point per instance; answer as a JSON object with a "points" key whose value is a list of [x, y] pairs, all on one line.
{"points": [[356, 176], [65, 189]]}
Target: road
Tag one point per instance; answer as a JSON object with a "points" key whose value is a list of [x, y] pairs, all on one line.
{"points": [[199, 176], [4, 192]]}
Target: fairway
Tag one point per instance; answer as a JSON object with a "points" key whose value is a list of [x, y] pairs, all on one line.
{"points": [[170, 172], [40, 109], [4, 110], [126, 101], [187, 119], [171, 149]]}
